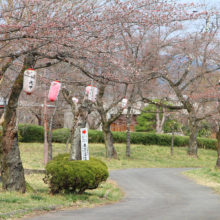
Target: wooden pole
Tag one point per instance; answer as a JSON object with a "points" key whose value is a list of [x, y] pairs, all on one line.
{"points": [[45, 124], [5, 105]]}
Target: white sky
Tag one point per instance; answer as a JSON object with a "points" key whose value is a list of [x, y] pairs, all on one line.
{"points": [[210, 4]]}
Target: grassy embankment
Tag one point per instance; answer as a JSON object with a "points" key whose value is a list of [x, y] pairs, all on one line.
{"points": [[141, 156]]}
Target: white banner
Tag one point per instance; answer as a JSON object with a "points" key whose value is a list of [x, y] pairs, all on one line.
{"points": [[84, 144]]}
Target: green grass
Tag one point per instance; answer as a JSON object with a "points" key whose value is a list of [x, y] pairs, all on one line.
{"points": [[206, 176], [141, 156], [13, 201], [32, 154]]}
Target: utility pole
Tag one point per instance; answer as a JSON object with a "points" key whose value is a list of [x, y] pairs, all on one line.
{"points": [[5, 105], [45, 123]]}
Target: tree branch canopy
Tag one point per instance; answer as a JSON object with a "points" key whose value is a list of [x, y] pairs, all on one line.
{"points": [[162, 104]]}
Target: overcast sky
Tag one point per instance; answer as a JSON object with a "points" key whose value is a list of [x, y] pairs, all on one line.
{"points": [[210, 4]]}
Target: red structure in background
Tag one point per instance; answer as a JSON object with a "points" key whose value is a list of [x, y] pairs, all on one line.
{"points": [[120, 123]]}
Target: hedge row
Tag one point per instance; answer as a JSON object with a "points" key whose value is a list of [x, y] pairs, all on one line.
{"points": [[31, 133], [34, 133], [145, 138]]}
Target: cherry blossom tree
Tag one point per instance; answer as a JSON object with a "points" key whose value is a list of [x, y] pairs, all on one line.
{"points": [[39, 34], [110, 102], [185, 74]]}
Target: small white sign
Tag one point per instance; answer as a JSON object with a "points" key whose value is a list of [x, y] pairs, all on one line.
{"points": [[84, 144], [90, 96]]}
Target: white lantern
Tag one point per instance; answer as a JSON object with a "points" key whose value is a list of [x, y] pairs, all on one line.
{"points": [[92, 92], [29, 81], [124, 103], [75, 100]]}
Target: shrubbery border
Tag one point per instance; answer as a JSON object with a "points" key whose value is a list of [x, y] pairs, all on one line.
{"points": [[34, 133]]}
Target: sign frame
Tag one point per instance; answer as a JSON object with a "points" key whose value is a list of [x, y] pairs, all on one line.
{"points": [[84, 144]]}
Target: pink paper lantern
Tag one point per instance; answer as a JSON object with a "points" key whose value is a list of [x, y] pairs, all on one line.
{"points": [[54, 90], [75, 100], [92, 92], [124, 103], [29, 81], [88, 89]]}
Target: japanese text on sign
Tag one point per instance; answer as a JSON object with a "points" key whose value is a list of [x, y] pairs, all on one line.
{"points": [[84, 144]]}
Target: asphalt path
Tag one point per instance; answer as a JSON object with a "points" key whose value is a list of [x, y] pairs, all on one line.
{"points": [[151, 193]]}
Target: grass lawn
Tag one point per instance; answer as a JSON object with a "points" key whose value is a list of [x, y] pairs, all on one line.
{"points": [[206, 176], [11, 201], [141, 156]]}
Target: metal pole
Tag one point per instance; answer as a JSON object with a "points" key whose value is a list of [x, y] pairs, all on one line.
{"points": [[45, 124]]}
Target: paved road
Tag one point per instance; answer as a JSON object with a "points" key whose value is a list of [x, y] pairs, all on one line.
{"points": [[151, 193]]}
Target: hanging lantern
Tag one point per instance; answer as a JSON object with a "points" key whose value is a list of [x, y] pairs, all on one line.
{"points": [[54, 90], [29, 81], [124, 103], [88, 89], [92, 92], [75, 100]]}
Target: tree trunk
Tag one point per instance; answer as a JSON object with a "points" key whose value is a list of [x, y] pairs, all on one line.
{"points": [[68, 140], [193, 126], [218, 150], [106, 121], [109, 144], [75, 149], [12, 171], [39, 119], [158, 121], [79, 121], [128, 139]]}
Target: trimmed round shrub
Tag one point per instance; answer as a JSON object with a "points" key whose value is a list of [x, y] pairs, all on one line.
{"points": [[63, 175]]}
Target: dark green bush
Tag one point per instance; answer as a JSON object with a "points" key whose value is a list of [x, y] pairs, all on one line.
{"points": [[207, 143], [60, 135], [63, 175], [31, 133], [96, 136]]}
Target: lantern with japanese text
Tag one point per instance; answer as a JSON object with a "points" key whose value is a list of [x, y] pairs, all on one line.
{"points": [[54, 90], [29, 81], [124, 103], [75, 100], [92, 92]]}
